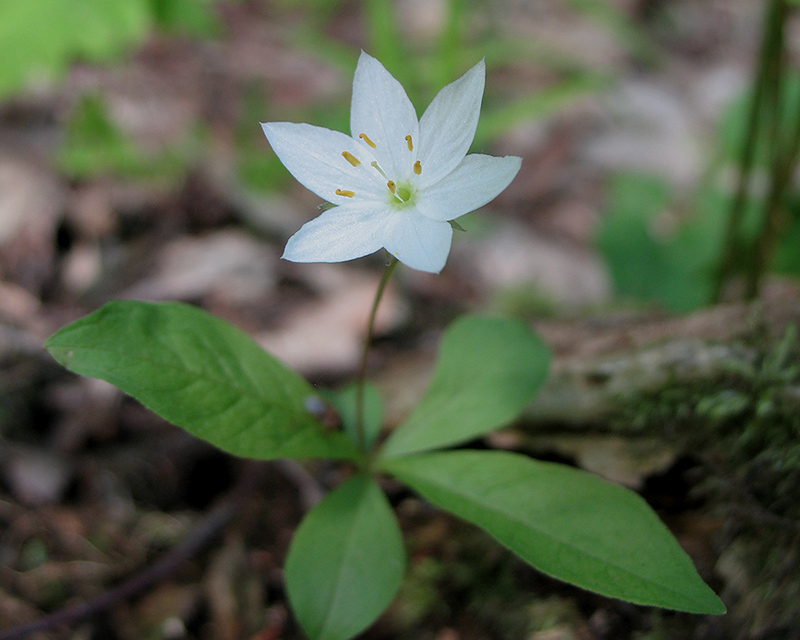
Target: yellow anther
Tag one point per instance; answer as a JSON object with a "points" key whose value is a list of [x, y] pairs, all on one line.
{"points": [[345, 193], [351, 158], [408, 142], [366, 139], [392, 186], [417, 167]]}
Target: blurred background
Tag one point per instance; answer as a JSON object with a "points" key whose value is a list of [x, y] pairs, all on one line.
{"points": [[657, 199]]}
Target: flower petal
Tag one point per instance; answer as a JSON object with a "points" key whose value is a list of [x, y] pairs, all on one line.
{"points": [[342, 233], [473, 183], [313, 155], [417, 241], [381, 109], [448, 125]]}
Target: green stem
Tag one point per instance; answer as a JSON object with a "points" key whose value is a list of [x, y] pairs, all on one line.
{"points": [[362, 367], [774, 214], [782, 160], [770, 50]]}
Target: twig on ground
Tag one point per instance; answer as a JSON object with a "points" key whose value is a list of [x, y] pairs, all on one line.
{"points": [[202, 535]]}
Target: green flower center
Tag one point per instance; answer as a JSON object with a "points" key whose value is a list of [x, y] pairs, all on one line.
{"points": [[401, 195]]}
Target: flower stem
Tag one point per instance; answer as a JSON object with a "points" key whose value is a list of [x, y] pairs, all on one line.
{"points": [[362, 367]]}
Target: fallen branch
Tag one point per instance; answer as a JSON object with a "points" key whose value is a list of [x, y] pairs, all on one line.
{"points": [[202, 535]]}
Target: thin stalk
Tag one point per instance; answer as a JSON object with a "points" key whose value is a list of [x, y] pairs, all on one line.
{"points": [[770, 48], [782, 171], [781, 163], [362, 367]]}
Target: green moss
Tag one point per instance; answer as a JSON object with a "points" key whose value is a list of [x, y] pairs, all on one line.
{"points": [[743, 428]]}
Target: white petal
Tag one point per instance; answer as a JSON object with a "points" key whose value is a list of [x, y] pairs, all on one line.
{"points": [[313, 155], [417, 241], [339, 234], [447, 127], [473, 183], [381, 109]]}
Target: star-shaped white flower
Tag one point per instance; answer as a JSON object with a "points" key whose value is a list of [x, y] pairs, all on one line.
{"points": [[397, 181]]}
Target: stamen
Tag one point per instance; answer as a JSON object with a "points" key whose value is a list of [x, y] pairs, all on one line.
{"points": [[366, 139], [417, 167], [381, 171], [393, 190], [408, 142], [344, 192], [351, 158]]}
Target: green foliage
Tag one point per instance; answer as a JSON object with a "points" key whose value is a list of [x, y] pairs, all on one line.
{"points": [[567, 523], [732, 127], [787, 253], [656, 251], [94, 146], [488, 371], [201, 374], [188, 16], [665, 249], [774, 132], [346, 561], [256, 168], [385, 39], [345, 402], [38, 38]]}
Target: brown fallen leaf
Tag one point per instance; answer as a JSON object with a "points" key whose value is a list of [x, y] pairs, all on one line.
{"points": [[231, 265], [326, 335]]}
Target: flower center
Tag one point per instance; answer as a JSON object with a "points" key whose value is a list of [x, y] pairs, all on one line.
{"points": [[400, 194]]}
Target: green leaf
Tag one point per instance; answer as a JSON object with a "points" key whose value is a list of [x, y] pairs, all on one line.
{"points": [[488, 371], [658, 250], [344, 401], [188, 16], [346, 561], [93, 146], [567, 523], [386, 43], [41, 37], [201, 374]]}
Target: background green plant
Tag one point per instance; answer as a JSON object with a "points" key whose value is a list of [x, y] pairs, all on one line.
{"points": [[40, 38], [681, 251]]}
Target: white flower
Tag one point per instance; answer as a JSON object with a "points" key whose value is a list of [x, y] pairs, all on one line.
{"points": [[397, 181]]}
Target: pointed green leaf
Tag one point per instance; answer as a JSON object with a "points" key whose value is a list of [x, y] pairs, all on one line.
{"points": [[201, 374], [488, 371], [566, 523], [346, 561]]}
